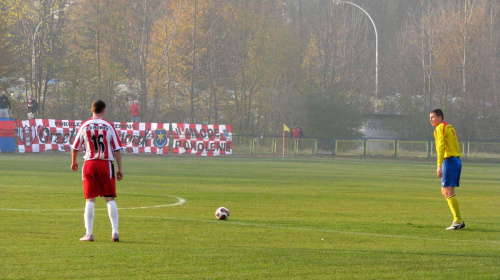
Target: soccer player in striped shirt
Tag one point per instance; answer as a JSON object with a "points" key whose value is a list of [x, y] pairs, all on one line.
{"points": [[449, 165], [102, 146]]}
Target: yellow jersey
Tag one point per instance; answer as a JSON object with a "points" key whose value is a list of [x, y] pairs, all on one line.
{"points": [[446, 142]]}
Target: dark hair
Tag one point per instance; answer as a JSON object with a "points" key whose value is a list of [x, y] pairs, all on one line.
{"points": [[438, 112], [98, 106]]}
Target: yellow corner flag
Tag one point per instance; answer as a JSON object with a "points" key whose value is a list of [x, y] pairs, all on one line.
{"points": [[285, 128]]}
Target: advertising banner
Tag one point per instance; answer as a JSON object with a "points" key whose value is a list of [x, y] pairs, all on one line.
{"points": [[39, 135], [202, 139], [7, 140]]}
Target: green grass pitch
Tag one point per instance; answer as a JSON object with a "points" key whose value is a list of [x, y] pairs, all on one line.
{"points": [[292, 218]]}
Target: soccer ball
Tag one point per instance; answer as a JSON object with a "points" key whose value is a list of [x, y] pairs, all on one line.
{"points": [[222, 213]]}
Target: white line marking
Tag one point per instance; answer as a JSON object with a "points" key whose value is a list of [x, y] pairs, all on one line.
{"points": [[180, 201], [326, 230]]}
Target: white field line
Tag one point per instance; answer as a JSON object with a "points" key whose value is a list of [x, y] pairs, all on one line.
{"points": [[180, 201], [369, 234]]}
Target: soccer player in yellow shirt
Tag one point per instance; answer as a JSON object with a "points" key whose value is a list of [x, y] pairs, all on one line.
{"points": [[449, 165]]}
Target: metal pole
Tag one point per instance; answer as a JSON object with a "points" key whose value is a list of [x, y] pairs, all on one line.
{"points": [[376, 48]]}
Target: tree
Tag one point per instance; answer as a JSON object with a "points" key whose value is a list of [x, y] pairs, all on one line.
{"points": [[48, 21], [95, 40], [6, 66], [142, 18], [163, 83], [336, 72]]}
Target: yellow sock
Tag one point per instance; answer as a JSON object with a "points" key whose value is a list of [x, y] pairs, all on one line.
{"points": [[453, 203]]}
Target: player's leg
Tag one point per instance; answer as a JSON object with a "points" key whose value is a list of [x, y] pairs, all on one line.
{"points": [[451, 198], [110, 194], [88, 218], [451, 178], [90, 190], [113, 217]]}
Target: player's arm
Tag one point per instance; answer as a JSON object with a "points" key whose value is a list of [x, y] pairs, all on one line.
{"points": [[118, 158], [74, 163], [74, 150], [117, 147], [440, 148]]}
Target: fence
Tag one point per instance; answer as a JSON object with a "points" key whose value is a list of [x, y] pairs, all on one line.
{"points": [[361, 147], [385, 147]]}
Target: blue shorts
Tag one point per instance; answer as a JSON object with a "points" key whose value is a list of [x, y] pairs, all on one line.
{"points": [[452, 168]]}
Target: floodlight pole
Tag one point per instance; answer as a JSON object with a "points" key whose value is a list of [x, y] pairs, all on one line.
{"points": [[376, 47]]}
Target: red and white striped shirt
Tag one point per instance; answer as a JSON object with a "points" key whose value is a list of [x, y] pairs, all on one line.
{"points": [[98, 138]]}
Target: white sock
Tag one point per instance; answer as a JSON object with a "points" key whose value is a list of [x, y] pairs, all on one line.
{"points": [[113, 215], [88, 217]]}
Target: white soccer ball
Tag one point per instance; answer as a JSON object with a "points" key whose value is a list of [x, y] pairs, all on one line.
{"points": [[222, 213]]}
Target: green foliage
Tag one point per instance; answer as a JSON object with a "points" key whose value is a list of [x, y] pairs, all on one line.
{"points": [[6, 66], [290, 219], [332, 115]]}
